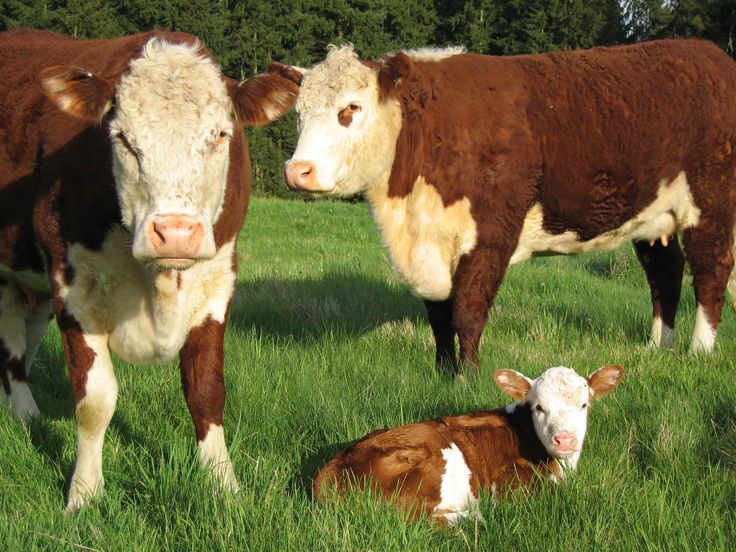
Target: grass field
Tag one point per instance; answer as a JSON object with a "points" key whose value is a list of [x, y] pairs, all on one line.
{"points": [[324, 345]]}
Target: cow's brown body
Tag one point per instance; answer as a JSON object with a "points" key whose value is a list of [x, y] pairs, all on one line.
{"points": [[556, 153], [64, 248]]}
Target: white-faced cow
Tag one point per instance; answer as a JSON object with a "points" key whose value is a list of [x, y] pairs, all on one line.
{"points": [[124, 180], [473, 163], [437, 467]]}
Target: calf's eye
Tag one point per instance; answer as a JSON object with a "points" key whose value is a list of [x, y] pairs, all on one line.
{"points": [[539, 408]]}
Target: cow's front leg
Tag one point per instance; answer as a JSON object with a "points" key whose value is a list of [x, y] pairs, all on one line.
{"points": [[477, 279], [95, 392], [439, 314], [202, 379]]}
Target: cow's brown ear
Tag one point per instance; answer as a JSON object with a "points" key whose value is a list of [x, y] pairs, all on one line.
{"points": [[77, 91], [392, 72], [604, 380], [515, 384], [264, 98], [291, 72]]}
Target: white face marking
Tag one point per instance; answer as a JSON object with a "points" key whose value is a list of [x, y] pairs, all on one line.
{"points": [[350, 158], [559, 402], [704, 334], [169, 154], [213, 455], [456, 495], [93, 415], [662, 334], [146, 313], [425, 239], [673, 210]]}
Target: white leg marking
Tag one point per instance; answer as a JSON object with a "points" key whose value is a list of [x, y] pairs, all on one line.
{"points": [[704, 335], [662, 335], [456, 495], [213, 455], [21, 400], [93, 414]]}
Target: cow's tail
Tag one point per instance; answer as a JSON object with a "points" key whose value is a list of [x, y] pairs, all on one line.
{"points": [[732, 278]]}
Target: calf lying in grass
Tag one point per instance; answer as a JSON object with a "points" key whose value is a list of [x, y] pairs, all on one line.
{"points": [[438, 466]]}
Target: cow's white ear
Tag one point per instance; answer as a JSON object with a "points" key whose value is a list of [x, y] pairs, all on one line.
{"points": [[77, 91], [604, 380], [515, 384], [264, 98]]}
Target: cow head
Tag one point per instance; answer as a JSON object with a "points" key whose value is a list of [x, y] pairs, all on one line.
{"points": [[559, 401], [347, 129], [171, 117]]}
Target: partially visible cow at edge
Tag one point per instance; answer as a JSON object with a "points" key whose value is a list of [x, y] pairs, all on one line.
{"points": [[437, 467], [124, 181], [473, 163]]}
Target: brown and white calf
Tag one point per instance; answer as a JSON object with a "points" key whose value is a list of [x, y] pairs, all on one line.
{"points": [[124, 181], [473, 163], [437, 467]]}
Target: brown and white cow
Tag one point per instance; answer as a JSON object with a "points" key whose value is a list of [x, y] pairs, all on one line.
{"points": [[124, 181], [473, 163], [437, 467]]}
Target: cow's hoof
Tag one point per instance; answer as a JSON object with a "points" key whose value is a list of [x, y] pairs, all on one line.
{"points": [[80, 493]]}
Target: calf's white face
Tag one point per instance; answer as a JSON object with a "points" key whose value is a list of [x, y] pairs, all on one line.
{"points": [[347, 135], [173, 118], [559, 401]]}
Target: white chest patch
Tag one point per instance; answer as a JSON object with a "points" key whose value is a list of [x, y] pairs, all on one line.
{"points": [[425, 239], [456, 495], [147, 314], [672, 211]]}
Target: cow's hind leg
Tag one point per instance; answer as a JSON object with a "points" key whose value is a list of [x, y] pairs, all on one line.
{"points": [[202, 378], [15, 357], [663, 265], [708, 251], [439, 314]]}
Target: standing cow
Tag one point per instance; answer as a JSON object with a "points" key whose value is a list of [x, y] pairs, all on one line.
{"points": [[124, 181], [473, 163]]}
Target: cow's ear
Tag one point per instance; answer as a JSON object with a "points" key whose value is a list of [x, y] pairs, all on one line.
{"points": [[77, 91], [604, 380], [391, 74], [515, 384], [264, 98]]}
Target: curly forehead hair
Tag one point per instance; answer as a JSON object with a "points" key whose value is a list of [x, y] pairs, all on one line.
{"points": [[326, 82]]}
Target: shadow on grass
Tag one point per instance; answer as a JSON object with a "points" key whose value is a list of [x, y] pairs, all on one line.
{"points": [[720, 448], [305, 308], [310, 466]]}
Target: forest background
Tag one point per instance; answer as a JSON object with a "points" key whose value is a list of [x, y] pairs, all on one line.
{"points": [[245, 36]]}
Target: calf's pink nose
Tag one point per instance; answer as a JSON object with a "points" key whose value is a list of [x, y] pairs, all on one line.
{"points": [[565, 441], [300, 175]]}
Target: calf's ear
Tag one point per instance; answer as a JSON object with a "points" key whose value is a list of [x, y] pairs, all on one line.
{"points": [[77, 91], [513, 383], [604, 380], [264, 98]]}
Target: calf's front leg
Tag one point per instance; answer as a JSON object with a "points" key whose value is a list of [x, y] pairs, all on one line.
{"points": [[202, 379]]}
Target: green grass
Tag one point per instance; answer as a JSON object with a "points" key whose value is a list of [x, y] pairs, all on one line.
{"points": [[325, 345]]}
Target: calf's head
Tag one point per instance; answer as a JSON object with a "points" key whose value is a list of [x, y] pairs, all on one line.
{"points": [[559, 401], [171, 117]]}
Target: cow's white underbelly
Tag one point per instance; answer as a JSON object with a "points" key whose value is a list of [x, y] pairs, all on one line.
{"points": [[672, 211], [145, 314], [425, 239]]}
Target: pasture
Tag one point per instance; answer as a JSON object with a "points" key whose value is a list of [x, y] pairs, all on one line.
{"points": [[325, 345]]}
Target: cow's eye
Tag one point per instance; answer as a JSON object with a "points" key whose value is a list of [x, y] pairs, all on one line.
{"points": [[539, 408], [585, 405], [353, 108]]}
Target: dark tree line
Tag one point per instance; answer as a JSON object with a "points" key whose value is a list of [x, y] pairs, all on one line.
{"points": [[246, 35]]}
